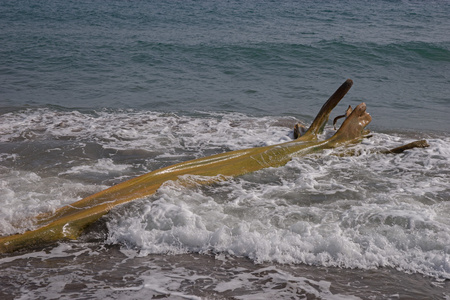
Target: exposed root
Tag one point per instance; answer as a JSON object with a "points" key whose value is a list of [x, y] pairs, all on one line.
{"points": [[353, 127], [347, 113]]}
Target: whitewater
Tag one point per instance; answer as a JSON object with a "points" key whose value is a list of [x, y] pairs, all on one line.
{"points": [[93, 94]]}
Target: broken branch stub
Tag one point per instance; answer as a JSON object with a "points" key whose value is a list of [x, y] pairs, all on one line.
{"points": [[321, 119]]}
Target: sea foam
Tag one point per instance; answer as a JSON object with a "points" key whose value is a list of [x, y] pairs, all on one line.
{"points": [[365, 211]]}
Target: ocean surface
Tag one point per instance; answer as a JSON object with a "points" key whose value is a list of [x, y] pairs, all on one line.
{"points": [[93, 93]]}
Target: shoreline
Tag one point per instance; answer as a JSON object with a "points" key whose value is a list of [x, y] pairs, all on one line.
{"points": [[87, 270]]}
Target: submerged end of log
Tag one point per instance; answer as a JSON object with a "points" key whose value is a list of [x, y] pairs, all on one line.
{"points": [[299, 130], [401, 149]]}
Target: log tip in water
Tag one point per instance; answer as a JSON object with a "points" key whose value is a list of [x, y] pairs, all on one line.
{"points": [[401, 149]]}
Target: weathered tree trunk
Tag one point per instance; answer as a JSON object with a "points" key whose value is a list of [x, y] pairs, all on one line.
{"points": [[69, 221]]}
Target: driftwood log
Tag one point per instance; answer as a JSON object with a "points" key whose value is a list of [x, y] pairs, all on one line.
{"points": [[68, 222]]}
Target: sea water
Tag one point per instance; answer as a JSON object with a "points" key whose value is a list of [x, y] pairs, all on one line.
{"points": [[93, 93]]}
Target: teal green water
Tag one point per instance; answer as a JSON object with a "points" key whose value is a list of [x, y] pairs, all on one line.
{"points": [[96, 92], [255, 57]]}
